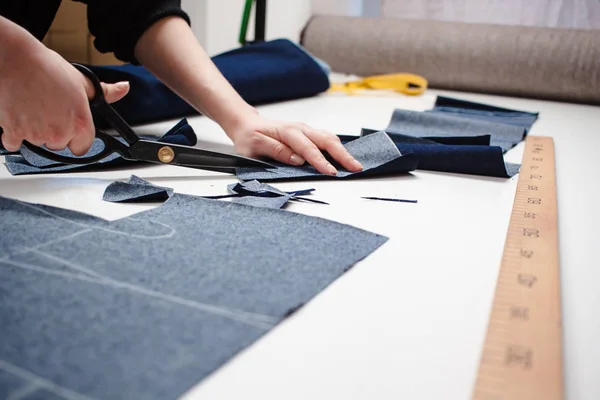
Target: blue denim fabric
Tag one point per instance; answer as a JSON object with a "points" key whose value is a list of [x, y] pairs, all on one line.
{"points": [[438, 124], [147, 306], [460, 158], [261, 73], [460, 137], [485, 112]]}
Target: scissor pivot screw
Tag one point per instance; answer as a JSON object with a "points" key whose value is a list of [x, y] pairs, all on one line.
{"points": [[166, 154]]}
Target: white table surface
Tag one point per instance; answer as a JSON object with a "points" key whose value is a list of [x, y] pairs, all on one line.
{"points": [[409, 321]]}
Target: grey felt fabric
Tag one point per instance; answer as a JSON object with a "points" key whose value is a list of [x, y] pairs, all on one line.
{"points": [[147, 306], [136, 189], [267, 202], [433, 124], [377, 153], [10, 383]]}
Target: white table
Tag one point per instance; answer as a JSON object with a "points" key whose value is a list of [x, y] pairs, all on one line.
{"points": [[409, 321]]}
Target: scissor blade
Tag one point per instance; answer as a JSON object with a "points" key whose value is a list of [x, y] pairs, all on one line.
{"points": [[193, 157]]}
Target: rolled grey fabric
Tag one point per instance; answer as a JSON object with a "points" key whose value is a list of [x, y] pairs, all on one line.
{"points": [[544, 63]]}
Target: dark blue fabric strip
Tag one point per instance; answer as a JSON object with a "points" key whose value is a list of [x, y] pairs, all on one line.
{"points": [[461, 159], [485, 112]]}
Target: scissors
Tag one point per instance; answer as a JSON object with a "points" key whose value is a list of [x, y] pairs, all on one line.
{"points": [[137, 149]]}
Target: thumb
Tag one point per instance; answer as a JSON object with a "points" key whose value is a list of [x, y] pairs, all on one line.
{"points": [[114, 92]]}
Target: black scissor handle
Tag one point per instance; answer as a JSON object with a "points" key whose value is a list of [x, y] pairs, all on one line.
{"points": [[98, 100], [111, 145], [98, 103]]}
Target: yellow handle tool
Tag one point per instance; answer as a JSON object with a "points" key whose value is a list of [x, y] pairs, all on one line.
{"points": [[409, 84]]}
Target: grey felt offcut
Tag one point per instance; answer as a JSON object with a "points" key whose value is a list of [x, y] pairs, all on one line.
{"points": [[259, 194], [135, 189], [147, 306], [377, 153], [432, 124]]}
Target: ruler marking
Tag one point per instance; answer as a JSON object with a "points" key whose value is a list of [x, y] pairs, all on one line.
{"points": [[522, 351]]}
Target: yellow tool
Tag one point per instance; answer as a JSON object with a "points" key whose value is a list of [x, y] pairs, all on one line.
{"points": [[408, 84]]}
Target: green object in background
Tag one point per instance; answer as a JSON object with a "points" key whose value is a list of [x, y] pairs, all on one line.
{"points": [[245, 21]]}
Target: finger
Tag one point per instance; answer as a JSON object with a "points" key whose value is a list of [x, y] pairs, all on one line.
{"points": [[58, 142], [11, 141], [84, 136], [302, 145], [331, 143], [267, 146], [114, 92]]}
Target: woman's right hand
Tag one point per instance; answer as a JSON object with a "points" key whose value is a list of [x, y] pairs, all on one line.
{"points": [[43, 98]]}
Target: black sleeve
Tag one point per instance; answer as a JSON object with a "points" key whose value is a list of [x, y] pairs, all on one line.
{"points": [[118, 24]]}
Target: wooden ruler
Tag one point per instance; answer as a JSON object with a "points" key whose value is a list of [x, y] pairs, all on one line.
{"points": [[522, 355]]}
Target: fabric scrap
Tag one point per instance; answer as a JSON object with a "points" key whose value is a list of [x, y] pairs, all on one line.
{"points": [[136, 190], [259, 194], [377, 153], [147, 306], [390, 199], [30, 163]]}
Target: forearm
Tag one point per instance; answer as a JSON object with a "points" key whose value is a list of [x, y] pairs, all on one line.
{"points": [[14, 40], [171, 52]]}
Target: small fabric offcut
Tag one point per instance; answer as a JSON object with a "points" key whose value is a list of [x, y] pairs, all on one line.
{"points": [[147, 306], [136, 190], [377, 153]]}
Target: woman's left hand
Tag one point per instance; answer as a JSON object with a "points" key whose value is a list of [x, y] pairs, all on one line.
{"points": [[292, 143]]}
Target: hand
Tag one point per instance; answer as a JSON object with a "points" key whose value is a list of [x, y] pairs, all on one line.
{"points": [[44, 100], [290, 143]]}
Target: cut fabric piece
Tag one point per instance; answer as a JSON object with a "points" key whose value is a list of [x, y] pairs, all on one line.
{"points": [[377, 153], [261, 73], [485, 112], [253, 193], [427, 124], [137, 190], [457, 158], [262, 195], [30, 163], [147, 306]]}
